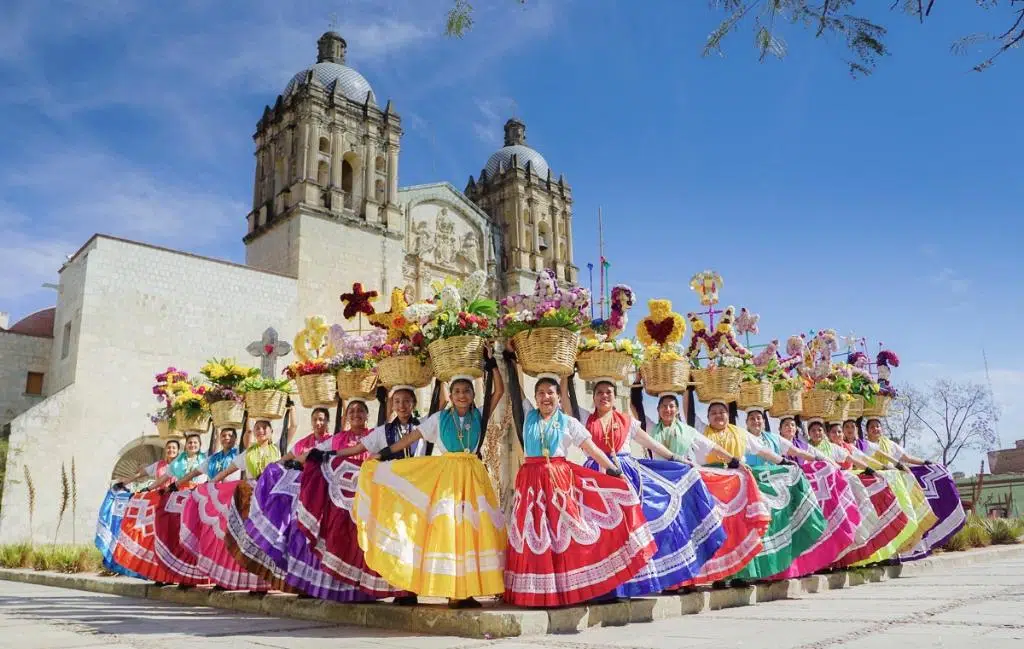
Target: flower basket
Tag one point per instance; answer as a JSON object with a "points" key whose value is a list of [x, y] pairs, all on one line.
{"points": [[665, 376], [191, 423], [755, 394], [826, 404], [404, 370], [457, 355], [698, 376], [786, 403], [265, 404], [164, 430], [720, 384], [547, 349], [317, 390], [856, 407], [361, 383], [879, 408], [603, 363], [227, 413]]}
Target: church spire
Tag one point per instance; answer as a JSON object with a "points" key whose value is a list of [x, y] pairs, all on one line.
{"points": [[331, 48], [515, 132]]}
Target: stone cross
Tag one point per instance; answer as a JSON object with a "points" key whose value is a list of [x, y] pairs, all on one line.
{"points": [[268, 348]]}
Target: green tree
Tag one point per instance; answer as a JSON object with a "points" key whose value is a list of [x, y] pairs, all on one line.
{"points": [[859, 25]]}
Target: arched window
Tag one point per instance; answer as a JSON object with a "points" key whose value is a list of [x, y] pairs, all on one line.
{"points": [[323, 173], [325, 145], [346, 176]]}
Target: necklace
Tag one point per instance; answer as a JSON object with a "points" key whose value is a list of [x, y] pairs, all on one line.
{"points": [[551, 427], [463, 428]]}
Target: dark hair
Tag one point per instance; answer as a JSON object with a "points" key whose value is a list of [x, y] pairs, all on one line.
{"points": [[871, 419], [783, 420], [359, 403], [327, 413], [545, 380], [229, 428], [265, 422], [674, 398], [412, 393], [466, 381], [816, 423], [718, 403], [172, 441], [196, 435], [852, 421], [615, 390]]}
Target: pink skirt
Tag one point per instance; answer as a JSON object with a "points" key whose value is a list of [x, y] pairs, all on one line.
{"points": [[203, 529]]}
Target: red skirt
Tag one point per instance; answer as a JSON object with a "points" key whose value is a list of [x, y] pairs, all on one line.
{"points": [[182, 563], [575, 534], [745, 519], [324, 515], [205, 519], [137, 539]]}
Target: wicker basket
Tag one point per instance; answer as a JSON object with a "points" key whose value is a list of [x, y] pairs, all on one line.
{"points": [[856, 407], [404, 370], [265, 404], [720, 384], [879, 408], [227, 414], [197, 423], [827, 405], [356, 383], [317, 390], [755, 394], [164, 430], [604, 363], [786, 403], [665, 376], [698, 376], [547, 349], [457, 355]]}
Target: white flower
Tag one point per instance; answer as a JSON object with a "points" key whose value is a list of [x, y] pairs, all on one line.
{"points": [[732, 361], [474, 285], [450, 299], [419, 312]]}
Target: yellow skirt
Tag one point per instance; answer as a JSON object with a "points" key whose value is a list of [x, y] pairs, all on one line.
{"points": [[432, 525], [926, 518], [905, 499]]}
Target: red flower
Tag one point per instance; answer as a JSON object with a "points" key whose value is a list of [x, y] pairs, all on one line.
{"points": [[417, 338], [268, 349], [358, 301]]}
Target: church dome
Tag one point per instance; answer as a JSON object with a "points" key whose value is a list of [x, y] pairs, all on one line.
{"points": [[515, 145], [330, 70], [523, 154]]}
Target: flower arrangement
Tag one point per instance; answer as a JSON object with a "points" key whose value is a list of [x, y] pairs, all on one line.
{"points": [[404, 335], [225, 375], [188, 407], [548, 306], [164, 381], [661, 333], [354, 350], [622, 300], [885, 360], [411, 347], [266, 397], [456, 309], [313, 348], [839, 379], [260, 383], [784, 383], [623, 345]]}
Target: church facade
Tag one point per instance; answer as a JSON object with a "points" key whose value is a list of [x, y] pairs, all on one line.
{"points": [[327, 211]]}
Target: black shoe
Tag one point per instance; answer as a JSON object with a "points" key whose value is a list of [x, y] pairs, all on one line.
{"points": [[407, 600], [469, 602]]}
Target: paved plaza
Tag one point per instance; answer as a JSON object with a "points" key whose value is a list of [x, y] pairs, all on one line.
{"points": [[973, 606]]}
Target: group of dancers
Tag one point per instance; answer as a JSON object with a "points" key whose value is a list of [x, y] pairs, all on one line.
{"points": [[407, 509]]}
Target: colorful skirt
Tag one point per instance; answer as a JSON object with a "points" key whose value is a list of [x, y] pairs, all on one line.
{"points": [[108, 528], [181, 562], [681, 515], [137, 538], [269, 543], [745, 519], [882, 520], [909, 535], [204, 528], [836, 499], [323, 517], [797, 521], [944, 501], [575, 534], [432, 525]]}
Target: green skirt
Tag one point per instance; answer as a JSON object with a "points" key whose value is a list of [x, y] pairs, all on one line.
{"points": [[797, 521]]}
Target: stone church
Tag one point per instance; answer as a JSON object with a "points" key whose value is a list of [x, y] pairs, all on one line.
{"points": [[327, 210]]}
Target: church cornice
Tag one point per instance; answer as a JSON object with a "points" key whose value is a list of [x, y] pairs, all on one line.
{"points": [[326, 215]]}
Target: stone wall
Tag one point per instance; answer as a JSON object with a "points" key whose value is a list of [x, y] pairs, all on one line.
{"points": [[142, 309], [19, 355]]}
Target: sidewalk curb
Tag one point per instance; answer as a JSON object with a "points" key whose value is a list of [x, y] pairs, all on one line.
{"points": [[494, 622]]}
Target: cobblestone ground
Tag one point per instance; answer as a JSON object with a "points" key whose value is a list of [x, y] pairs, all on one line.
{"points": [[977, 606]]}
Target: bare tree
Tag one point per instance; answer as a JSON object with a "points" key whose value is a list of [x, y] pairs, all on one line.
{"points": [[959, 416], [904, 419], [859, 26]]}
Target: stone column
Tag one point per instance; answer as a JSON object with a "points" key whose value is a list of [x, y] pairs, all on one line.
{"points": [[313, 148], [568, 236], [303, 160], [369, 167], [392, 195], [336, 146]]}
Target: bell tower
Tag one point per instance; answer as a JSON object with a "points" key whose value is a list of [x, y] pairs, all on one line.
{"points": [[519, 191]]}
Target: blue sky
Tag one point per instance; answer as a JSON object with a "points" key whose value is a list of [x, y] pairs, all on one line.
{"points": [[886, 206]]}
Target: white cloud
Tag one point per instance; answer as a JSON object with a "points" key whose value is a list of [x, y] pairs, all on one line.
{"points": [[487, 127], [953, 281]]}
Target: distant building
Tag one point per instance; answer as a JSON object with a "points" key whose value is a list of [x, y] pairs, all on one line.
{"points": [[1001, 492]]}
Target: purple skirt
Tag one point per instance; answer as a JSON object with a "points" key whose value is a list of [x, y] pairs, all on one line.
{"points": [[944, 500], [277, 543]]}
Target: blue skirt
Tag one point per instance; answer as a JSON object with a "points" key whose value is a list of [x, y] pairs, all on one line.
{"points": [[108, 528], [681, 515]]}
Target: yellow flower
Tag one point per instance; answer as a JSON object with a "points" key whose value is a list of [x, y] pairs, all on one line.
{"points": [[627, 346]]}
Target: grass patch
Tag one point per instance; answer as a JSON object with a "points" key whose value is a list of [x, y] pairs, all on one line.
{"points": [[54, 558]]}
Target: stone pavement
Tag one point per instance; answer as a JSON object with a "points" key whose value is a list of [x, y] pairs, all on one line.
{"points": [[980, 605]]}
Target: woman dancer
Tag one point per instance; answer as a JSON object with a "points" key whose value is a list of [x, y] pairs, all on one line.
{"points": [[680, 511], [575, 533], [433, 525], [738, 502], [157, 469]]}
